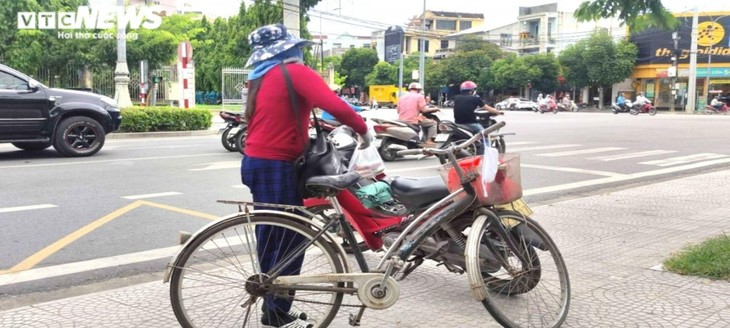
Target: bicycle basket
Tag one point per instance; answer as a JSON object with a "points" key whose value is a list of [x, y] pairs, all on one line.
{"points": [[507, 184]]}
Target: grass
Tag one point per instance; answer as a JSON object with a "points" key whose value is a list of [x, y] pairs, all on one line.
{"points": [[710, 259]]}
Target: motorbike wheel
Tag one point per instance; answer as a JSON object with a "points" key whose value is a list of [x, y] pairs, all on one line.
{"points": [[614, 110], [555, 111], [228, 141], [240, 140], [652, 111], [388, 155], [498, 143], [634, 112], [471, 150]]}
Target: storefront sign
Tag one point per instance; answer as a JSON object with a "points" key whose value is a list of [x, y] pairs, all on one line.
{"points": [[713, 38], [702, 72]]}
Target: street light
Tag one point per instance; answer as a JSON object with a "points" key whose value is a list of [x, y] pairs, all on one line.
{"points": [[709, 51]]}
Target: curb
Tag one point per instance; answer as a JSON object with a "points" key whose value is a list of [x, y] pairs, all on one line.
{"points": [[161, 134]]}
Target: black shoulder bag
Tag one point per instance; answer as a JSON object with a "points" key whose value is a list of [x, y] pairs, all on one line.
{"points": [[320, 156]]}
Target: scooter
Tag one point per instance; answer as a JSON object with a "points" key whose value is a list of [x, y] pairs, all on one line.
{"points": [[458, 133], [234, 134], [547, 106], [626, 108], [570, 107], [393, 135], [709, 109], [647, 107]]}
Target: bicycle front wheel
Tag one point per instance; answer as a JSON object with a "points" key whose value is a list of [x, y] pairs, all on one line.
{"points": [[529, 286], [216, 281]]}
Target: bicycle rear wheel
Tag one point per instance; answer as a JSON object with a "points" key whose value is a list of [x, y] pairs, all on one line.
{"points": [[216, 281], [533, 292]]}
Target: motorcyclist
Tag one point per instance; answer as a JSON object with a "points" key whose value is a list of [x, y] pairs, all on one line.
{"points": [[464, 106], [411, 107], [621, 101], [641, 100], [717, 104]]}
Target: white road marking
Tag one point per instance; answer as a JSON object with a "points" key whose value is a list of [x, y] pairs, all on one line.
{"points": [[515, 143], [632, 155], [430, 167], [587, 183], [159, 194], [684, 159], [153, 147], [581, 151], [26, 208], [574, 170], [219, 166], [518, 149], [106, 161]]}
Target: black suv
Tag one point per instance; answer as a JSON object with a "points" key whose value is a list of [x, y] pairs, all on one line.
{"points": [[35, 117]]}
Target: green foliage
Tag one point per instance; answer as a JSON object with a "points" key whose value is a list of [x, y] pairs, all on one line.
{"points": [[149, 119], [382, 74], [636, 14], [358, 63], [548, 68], [513, 72], [710, 259], [598, 61]]}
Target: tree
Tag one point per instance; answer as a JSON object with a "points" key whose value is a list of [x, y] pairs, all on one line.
{"points": [[636, 14], [471, 60], [513, 72], [382, 74], [358, 63], [548, 68], [598, 61]]}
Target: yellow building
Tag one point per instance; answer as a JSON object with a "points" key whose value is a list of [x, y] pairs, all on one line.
{"points": [[654, 71], [438, 24]]}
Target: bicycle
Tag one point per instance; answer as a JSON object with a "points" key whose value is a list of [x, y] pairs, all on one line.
{"points": [[216, 278]]}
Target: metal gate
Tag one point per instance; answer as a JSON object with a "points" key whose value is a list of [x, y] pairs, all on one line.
{"points": [[233, 87]]}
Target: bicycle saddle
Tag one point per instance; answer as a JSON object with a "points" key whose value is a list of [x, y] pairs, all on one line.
{"points": [[326, 185]]}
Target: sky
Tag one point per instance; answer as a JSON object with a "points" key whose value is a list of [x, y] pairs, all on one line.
{"points": [[363, 16]]}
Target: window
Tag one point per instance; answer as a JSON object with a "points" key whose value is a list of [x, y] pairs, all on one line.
{"points": [[366, 45], [449, 25], [419, 46], [337, 45], [444, 44], [11, 82], [429, 24], [464, 25], [352, 46], [408, 44], [505, 39]]}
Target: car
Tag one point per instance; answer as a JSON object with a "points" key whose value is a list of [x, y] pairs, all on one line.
{"points": [[505, 104], [34, 117], [523, 104]]}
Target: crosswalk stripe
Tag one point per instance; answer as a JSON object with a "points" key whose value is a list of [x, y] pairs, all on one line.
{"points": [[684, 159], [632, 155], [581, 151], [26, 208], [516, 143], [517, 150]]}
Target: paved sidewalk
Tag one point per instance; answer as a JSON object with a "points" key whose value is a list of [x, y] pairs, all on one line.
{"points": [[612, 244]]}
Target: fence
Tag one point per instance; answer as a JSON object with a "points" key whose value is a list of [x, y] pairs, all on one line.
{"points": [[233, 87], [101, 79]]}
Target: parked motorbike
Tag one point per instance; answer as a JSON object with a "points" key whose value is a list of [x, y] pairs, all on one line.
{"points": [[234, 134], [457, 133], [381, 225], [393, 135]]}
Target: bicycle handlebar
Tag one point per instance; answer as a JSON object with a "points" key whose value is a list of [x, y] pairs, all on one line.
{"points": [[451, 149]]}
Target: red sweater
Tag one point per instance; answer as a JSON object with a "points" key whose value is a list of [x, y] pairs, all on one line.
{"points": [[272, 130]]}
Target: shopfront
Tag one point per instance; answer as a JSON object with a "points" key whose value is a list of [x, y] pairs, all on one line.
{"points": [[654, 73]]}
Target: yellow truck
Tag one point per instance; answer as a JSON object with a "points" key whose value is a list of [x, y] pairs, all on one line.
{"points": [[385, 95]]}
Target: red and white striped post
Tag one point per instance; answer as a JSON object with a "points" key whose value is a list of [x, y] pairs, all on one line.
{"points": [[185, 56]]}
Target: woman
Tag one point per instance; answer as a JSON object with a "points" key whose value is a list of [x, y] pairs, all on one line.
{"points": [[275, 140]]}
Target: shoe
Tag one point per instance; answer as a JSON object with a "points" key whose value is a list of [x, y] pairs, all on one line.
{"points": [[293, 319], [294, 324]]}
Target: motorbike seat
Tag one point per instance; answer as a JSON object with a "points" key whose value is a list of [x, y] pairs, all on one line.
{"points": [[417, 192], [330, 184]]}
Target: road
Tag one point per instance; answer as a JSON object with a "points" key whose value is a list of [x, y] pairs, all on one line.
{"points": [[70, 221]]}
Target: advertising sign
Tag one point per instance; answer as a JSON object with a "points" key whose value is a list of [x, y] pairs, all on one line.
{"points": [[393, 43], [713, 38]]}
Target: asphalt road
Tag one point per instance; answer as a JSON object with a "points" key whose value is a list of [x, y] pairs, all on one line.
{"points": [[70, 221]]}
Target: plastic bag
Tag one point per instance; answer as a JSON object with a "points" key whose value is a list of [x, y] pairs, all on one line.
{"points": [[367, 162], [490, 164], [375, 194]]}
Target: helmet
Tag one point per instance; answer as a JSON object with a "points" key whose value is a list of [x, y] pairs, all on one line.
{"points": [[468, 86], [415, 86]]}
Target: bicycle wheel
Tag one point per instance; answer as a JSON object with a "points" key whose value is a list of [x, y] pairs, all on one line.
{"points": [[215, 281], [534, 292]]}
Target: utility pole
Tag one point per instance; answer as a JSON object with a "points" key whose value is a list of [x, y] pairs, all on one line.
{"points": [[692, 81], [121, 72], [675, 70], [400, 72], [291, 16], [422, 61]]}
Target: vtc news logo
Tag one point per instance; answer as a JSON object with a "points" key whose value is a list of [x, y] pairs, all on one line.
{"points": [[86, 17]]}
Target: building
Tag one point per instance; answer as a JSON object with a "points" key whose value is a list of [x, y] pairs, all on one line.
{"points": [[336, 45], [654, 72], [438, 25]]}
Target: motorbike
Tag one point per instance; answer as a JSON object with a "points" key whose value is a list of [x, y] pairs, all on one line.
{"points": [[453, 133], [570, 107], [547, 106], [626, 108], [234, 134], [393, 135], [381, 225], [709, 109], [647, 107]]}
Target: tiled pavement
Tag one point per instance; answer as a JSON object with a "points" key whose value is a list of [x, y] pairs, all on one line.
{"points": [[612, 244]]}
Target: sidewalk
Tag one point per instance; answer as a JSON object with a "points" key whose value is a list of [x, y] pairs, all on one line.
{"points": [[613, 245]]}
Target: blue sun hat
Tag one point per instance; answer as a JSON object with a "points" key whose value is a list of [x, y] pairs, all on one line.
{"points": [[271, 40]]}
